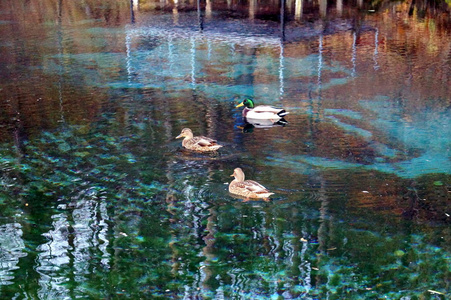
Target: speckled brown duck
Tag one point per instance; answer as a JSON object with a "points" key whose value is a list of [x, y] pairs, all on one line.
{"points": [[247, 188], [197, 143]]}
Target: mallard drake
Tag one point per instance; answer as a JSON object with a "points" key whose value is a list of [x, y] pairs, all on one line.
{"points": [[261, 112], [197, 143], [247, 188]]}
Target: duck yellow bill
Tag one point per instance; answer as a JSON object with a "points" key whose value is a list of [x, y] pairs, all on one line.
{"points": [[239, 105], [179, 136]]}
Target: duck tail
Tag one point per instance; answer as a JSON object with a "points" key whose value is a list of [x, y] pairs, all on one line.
{"points": [[282, 113], [282, 122]]}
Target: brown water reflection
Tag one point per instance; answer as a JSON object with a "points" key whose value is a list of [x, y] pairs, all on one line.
{"points": [[404, 54], [99, 197]]}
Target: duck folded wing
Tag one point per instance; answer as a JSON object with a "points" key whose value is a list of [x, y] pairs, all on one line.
{"points": [[266, 108], [204, 141], [254, 186]]}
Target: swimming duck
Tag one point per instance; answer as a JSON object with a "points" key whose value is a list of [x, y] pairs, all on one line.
{"points": [[247, 188], [197, 143], [261, 112]]}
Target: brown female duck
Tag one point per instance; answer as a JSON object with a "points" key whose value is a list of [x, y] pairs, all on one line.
{"points": [[247, 188], [197, 143]]}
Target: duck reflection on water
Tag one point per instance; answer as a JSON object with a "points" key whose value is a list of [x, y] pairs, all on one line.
{"points": [[250, 124]]}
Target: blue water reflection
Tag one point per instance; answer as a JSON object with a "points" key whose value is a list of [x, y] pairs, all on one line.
{"points": [[224, 67]]}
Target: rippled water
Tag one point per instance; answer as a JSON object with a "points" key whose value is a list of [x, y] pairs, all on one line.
{"points": [[99, 201]]}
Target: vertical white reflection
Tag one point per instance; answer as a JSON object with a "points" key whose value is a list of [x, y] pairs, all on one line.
{"points": [[298, 9], [170, 52], [252, 9], [88, 229], [220, 295], [76, 237], [323, 8], [209, 49], [208, 10], [193, 62], [84, 238], [61, 59], [175, 12], [281, 69], [187, 294], [339, 7], [12, 248], [354, 53], [135, 4], [53, 257], [305, 267], [320, 59], [103, 234], [376, 49], [128, 39], [288, 248]]}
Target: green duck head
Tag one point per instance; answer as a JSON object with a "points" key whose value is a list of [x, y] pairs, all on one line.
{"points": [[249, 103]]}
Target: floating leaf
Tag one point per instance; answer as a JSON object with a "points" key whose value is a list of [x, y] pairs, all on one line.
{"points": [[81, 154]]}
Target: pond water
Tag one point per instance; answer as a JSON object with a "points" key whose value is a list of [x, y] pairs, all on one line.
{"points": [[98, 199]]}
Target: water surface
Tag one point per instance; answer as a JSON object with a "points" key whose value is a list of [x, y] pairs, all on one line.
{"points": [[99, 201]]}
